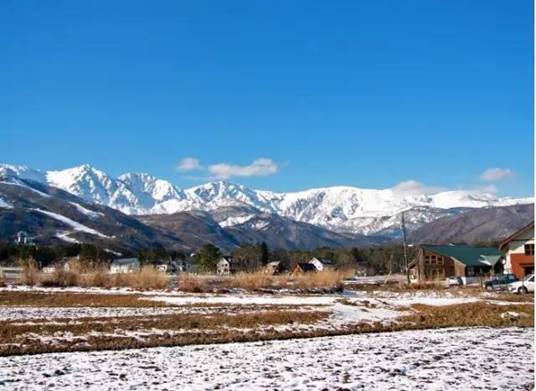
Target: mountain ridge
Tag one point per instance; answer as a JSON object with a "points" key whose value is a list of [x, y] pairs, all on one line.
{"points": [[342, 209]]}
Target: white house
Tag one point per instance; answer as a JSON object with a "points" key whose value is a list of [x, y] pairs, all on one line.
{"points": [[225, 266], [321, 263], [124, 265], [23, 238], [518, 249]]}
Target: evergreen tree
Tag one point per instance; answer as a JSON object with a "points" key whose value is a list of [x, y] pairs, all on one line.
{"points": [[206, 258]]}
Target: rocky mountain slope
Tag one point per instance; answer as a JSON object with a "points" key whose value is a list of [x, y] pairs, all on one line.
{"points": [[50, 216], [475, 225], [342, 209]]}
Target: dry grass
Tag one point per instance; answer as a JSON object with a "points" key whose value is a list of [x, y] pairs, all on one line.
{"points": [[148, 277], [324, 280], [117, 333], [57, 299], [30, 272], [470, 315]]}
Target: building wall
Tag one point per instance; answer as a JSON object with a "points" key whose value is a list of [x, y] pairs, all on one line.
{"points": [[432, 266], [516, 259], [522, 265]]}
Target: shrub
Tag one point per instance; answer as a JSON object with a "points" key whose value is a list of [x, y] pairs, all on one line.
{"points": [[30, 272], [61, 278]]}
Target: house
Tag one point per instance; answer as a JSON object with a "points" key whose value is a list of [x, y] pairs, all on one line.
{"points": [[23, 238], [300, 268], [273, 268], [225, 266], [437, 262], [518, 251], [124, 265], [322, 263]]}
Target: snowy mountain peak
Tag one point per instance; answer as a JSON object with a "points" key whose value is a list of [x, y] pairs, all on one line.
{"points": [[338, 208]]}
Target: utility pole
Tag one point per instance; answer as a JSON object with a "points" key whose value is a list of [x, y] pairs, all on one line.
{"points": [[405, 247]]}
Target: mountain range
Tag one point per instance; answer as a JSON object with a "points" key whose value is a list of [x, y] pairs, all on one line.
{"points": [[225, 213]]}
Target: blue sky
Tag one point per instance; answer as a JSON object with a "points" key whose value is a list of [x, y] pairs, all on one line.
{"points": [[316, 93]]}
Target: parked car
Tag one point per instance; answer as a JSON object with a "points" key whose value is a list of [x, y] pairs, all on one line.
{"points": [[500, 283], [454, 281], [524, 286]]}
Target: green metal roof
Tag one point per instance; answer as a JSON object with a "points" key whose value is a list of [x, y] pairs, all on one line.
{"points": [[469, 256]]}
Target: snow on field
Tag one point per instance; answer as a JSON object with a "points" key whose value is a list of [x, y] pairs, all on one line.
{"points": [[454, 359], [28, 313]]}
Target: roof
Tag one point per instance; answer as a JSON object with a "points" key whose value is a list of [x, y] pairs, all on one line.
{"points": [[125, 261], [226, 258], [515, 234], [468, 255], [307, 267], [324, 260]]}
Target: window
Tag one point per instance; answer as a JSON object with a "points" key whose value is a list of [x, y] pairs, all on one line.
{"points": [[470, 271], [529, 249]]}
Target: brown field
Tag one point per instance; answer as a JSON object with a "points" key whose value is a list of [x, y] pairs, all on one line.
{"points": [[203, 323]]}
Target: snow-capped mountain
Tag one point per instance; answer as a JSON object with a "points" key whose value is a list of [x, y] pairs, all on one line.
{"points": [[339, 208]]}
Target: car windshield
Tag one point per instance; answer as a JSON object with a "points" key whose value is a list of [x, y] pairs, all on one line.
{"points": [[530, 277]]}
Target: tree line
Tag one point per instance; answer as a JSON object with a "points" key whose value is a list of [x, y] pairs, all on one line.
{"points": [[251, 257]]}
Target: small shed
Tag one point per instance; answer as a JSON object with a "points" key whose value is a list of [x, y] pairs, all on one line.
{"points": [[124, 265]]}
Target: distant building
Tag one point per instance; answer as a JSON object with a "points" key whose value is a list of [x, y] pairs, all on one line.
{"points": [[435, 262], [23, 238], [322, 263], [124, 265], [176, 266], [224, 266], [11, 274], [518, 250], [273, 268], [305, 267]]}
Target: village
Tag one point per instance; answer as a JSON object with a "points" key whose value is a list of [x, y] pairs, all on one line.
{"points": [[460, 301], [508, 267]]}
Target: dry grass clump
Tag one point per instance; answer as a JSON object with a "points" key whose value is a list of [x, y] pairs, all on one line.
{"points": [[419, 286], [470, 315], [328, 279], [30, 272], [251, 281], [192, 283], [148, 277]]}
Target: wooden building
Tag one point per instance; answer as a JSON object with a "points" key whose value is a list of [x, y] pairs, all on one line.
{"points": [[435, 262], [518, 250]]}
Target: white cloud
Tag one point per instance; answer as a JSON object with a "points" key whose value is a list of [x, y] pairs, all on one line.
{"points": [[412, 187], [496, 174], [189, 164], [259, 167]]}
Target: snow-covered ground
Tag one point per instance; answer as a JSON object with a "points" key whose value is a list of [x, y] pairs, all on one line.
{"points": [[453, 359]]}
